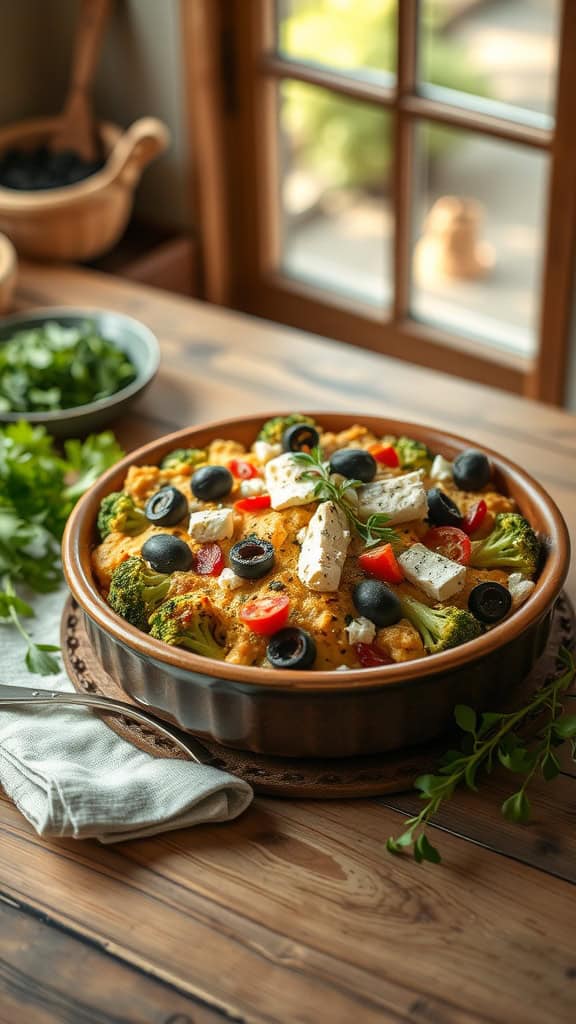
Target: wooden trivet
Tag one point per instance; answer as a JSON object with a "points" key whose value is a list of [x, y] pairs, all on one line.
{"points": [[288, 777]]}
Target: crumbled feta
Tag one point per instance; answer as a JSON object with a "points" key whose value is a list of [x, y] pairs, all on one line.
{"points": [[285, 484], [401, 498], [264, 451], [361, 631], [324, 549], [439, 577], [301, 534], [441, 469], [211, 524], [520, 588], [228, 580], [248, 488], [342, 668]]}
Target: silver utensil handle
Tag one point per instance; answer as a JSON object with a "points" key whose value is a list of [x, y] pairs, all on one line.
{"points": [[11, 696]]}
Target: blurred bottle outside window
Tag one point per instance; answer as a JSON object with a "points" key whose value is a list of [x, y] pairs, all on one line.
{"points": [[337, 156]]}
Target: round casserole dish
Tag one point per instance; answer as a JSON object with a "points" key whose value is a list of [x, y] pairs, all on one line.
{"points": [[313, 713]]}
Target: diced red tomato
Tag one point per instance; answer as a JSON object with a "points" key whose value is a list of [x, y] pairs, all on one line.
{"points": [[266, 615], [370, 655], [255, 503], [209, 560], [382, 563], [242, 470], [450, 542], [475, 516], [385, 454]]}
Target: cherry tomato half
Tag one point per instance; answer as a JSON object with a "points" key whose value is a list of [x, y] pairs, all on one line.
{"points": [[381, 562], [242, 470], [450, 542], [475, 516], [266, 615], [255, 503], [370, 655], [385, 454], [209, 560]]}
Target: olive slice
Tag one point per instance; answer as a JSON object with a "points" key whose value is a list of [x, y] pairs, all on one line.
{"points": [[442, 511], [211, 482], [252, 558], [377, 602], [291, 647], [167, 507], [354, 463], [300, 437], [166, 553], [471, 470], [489, 602]]}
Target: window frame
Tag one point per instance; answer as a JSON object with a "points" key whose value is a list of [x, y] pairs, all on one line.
{"points": [[231, 76]]}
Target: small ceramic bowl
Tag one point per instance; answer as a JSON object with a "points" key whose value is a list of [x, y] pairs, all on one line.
{"points": [[136, 340], [310, 713]]}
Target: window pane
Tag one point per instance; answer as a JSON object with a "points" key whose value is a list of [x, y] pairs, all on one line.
{"points": [[480, 217], [336, 219], [505, 51], [351, 35]]}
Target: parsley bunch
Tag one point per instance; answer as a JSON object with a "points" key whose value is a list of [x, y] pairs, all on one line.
{"points": [[38, 489], [496, 737], [374, 530]]}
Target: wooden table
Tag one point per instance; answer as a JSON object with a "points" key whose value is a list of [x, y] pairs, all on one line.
{"points": [[295, 912]]}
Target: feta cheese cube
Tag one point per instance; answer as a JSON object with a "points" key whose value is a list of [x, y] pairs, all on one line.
{"points": [[439, 577], [284, 482], [520, 588], [361, 631], [264, 451], [324, 548], [441, 469], [250, 487], [228, 580], [211, 524], [401, 498]]}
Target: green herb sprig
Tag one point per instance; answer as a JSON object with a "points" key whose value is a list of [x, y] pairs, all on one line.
{"points": [[38, 489], [495, 737], [374, 530]]}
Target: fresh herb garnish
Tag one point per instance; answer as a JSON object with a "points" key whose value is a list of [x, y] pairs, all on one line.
{"points": [[495, 737], [53, 367], [38, 489], [374, 530]]}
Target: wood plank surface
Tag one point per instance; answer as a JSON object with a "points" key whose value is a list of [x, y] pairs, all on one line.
{"points": [[295, 912]]}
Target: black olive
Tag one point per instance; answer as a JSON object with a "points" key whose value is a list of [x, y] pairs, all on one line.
{"points": [[471, 470], [377, 602], [355, 463], [252, 558], [291, 648], [489, 602], [167, 507], [211, 482], [299, 437], [166, 553], [442, 511]]}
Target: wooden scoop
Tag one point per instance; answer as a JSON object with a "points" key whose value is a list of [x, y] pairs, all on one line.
{"points": [[77, 128]]}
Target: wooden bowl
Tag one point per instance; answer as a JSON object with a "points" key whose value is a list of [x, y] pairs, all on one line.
{"points": [[8, 271], [309, 713], [80, 221]]}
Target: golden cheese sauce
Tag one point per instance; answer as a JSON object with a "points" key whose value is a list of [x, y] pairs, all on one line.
{"points": [[324, 615]]}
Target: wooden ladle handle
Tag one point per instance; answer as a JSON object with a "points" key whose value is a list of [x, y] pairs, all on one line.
{"points": [[144, 140], [89, 32]]}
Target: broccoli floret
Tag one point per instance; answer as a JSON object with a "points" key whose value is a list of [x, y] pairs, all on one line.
{"points": [[118, 512], [512, 544], [413, 454], [136, 590], [440, 628], [272, 430], [192, 457], [187, 621]]}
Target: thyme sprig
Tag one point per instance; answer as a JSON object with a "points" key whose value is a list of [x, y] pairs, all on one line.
{"points": [[374, 530], [495, 737]]}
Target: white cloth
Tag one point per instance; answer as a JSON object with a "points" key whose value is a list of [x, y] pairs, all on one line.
{"points": [[70, 775]]}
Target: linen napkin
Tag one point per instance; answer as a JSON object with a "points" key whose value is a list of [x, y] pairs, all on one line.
{"points": [[70, 775]]}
